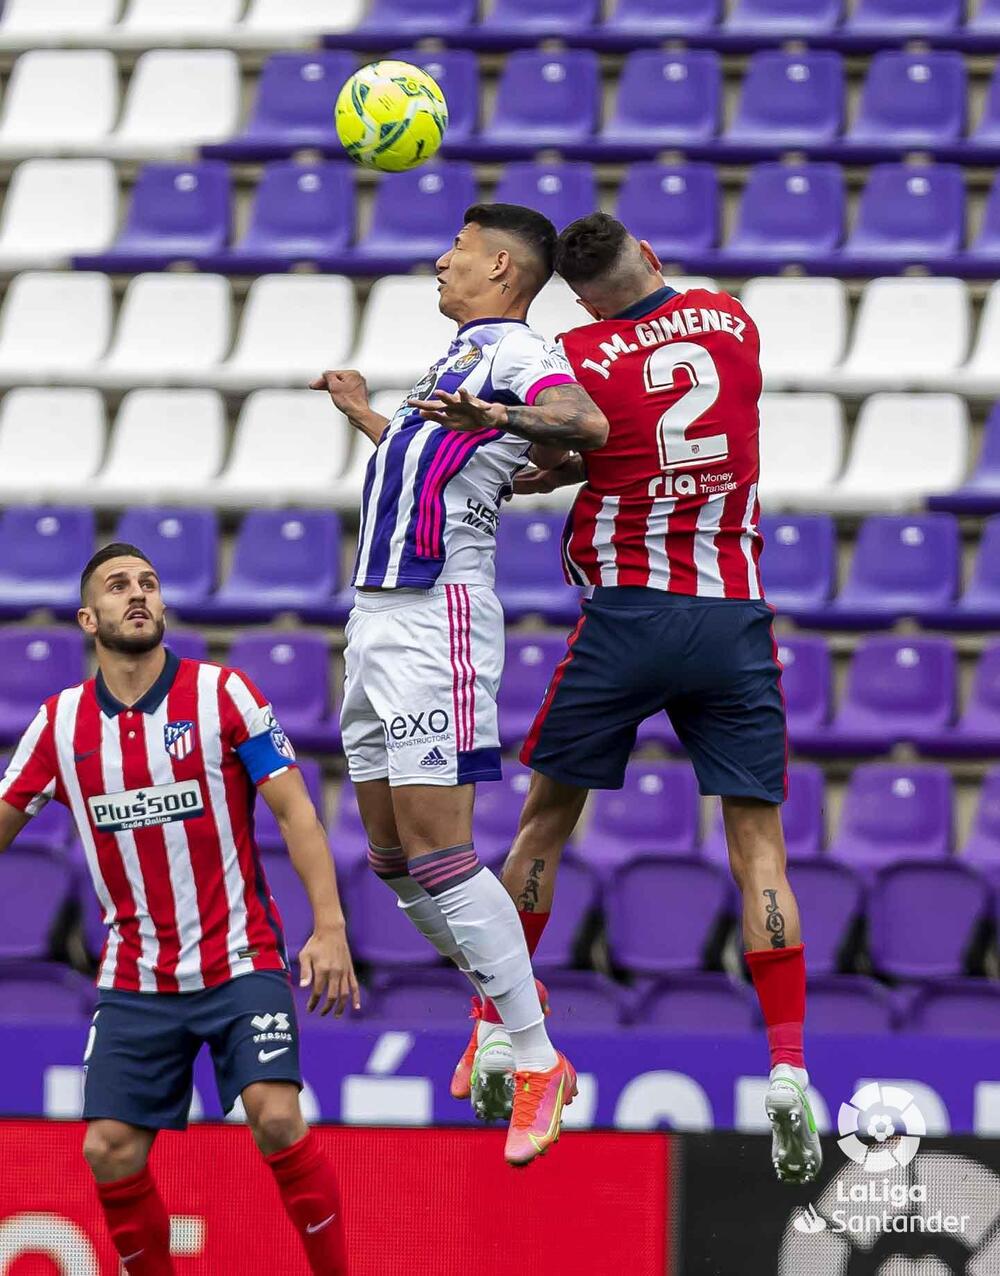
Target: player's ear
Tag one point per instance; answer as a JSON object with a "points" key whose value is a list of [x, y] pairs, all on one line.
{"points": [[501, 264], [591, 310], [87, 621], [647, 251]]}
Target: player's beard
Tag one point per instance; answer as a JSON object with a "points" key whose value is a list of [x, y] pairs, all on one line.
{"points": [[110, 636]]}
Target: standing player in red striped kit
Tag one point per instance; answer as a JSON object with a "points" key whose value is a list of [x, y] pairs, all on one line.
{"points": [[665, 529], [157, 759]]}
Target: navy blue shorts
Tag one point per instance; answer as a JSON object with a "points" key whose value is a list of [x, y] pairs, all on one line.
{"points": [[710, 663], [142, 1047]]}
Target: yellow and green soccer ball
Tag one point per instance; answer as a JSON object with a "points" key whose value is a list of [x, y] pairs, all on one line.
{"points": [[391, 116]]}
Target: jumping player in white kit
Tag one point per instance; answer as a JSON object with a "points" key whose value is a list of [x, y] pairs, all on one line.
{"points": [[426, 638]]}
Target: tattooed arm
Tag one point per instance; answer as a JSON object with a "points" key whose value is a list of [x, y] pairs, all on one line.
{"points": [[563, 416]]}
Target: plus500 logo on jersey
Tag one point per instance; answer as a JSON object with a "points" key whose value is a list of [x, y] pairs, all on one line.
{"points": [[141, 808]]}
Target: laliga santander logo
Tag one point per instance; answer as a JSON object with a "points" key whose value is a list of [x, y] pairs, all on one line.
{"points": [[887, 1114]]}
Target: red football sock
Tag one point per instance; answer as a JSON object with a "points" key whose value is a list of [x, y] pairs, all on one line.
{"points": [[532, 924], [779, 975], [139, 1224], [311, 1197]]}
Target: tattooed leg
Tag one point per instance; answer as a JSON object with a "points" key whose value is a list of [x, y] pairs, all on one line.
{"points": [[757, 858], [550, 814]]}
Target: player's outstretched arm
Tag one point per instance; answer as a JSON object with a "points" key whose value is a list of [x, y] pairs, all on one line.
{"points": [[325, 962], [11, 822], [563, 416], [349, 391]]}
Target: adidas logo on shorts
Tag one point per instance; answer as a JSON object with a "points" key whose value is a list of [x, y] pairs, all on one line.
{"points": [[434, 759]]}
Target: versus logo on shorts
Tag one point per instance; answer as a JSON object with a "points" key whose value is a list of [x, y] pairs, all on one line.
{"points": [[408, 729], [143, 808]]}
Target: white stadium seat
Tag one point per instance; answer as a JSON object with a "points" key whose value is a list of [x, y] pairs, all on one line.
{"points": [[171, 329], [554, 310], [906, 446], [59, 101], [166, 445], [28, 24], [293, 328], [908, 332], [801, 447], [981, 375], [346, 492], [148, 24], [178, 99], [290, 445], [54, 326], [51, 443], [283, 23], [56, 208], [402, 331], [802, 325]]}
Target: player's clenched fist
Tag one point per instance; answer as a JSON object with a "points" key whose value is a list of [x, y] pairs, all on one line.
{"points": [[348, 389]]}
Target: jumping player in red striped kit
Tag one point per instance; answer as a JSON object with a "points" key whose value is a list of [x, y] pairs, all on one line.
{"points": [[158, 760], [664, 528]]}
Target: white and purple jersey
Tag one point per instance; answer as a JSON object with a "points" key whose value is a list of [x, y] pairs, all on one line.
{"points": [[432, 495]]}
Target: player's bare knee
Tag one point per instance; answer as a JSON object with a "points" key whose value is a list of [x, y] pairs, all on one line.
{"points": [[113, 1151], [277, 1128]]}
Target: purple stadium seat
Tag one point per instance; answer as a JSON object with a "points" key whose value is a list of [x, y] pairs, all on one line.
{"points": [[675, 208], [293, 671], [563, 192], [576, 898], [402, 19], [807, 681], [423, 999], [922, 919], [985, 20], [979, 606], [529, 568], [788, 214], [380, 932], [658, 730], [35, 664], [292, 902], [987, 131], [977, 731], [34, 886], [296, 94], [44, 993], [911, 100], [907, 215], [456, 71], [544, 100], [348, 839], [186, 644], [785, 17], [300, 213], [49, 830], [184, 545], [497, 812], [898, 690], [42, 552], [956, 1008], [905, 18], [583, 999], [802, 817], [540, 17], [980, 493], [656, 19], [982, 848], [829, 897], [661, 914], [848, 1005], [701, 1002], [179, 212], [790, 99], [283, 560], [655, 813], [799, 563], [266, 829], [415, 217], [895, 813], [664, 99], [531, 658]]}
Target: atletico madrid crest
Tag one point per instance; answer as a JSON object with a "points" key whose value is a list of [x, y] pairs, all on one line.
{"points": [[178, 738]]}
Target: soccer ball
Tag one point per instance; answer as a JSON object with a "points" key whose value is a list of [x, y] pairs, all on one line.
{"points": [[391, 116]]}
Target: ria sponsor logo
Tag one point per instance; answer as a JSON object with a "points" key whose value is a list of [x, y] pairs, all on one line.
{"points": [[142, 808]]}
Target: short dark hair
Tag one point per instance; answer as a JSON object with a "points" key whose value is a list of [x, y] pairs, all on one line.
{"points": [[118, 549], [589, 247], [533, 228]]}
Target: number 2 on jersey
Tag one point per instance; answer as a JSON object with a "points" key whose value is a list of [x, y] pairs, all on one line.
{"points": [[690, 370]]}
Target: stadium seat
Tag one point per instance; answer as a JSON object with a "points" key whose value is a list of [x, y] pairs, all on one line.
{"points": [[801, 448], [894, 347], [178, 214], [288, 893], [44, 993], [529, 664], [563, 192], [28, 24], [184, 546], [583, 999], [171, 328], [424, 999], [401, 19], [347, 836], [982, 847], [555, 310], [987, 131], [300, 216], [656, 812], [985, 18], [977, 732], [42, 551], [35, 664], [631, 20], [293, 109], [701, 1002], [167, 445], [36, 888], [789, 100], [578, 894], [675, 208], [981, 374], [784, 17], [50, 830], [543, 100], [984, 251], [788, 214], [56, 208], [540, 17], [802, 817], [415, 217], [381, 933], [807, 684], [906, 447], [664, 99], [662, 914], [53, 324], [923, 918], [911, 100], [408, 308], [979, 605], [529, 576], [849, 1005], [266, 831], [293, 671], [186, 644], [830, 899], [155, 23], [290, 23], [905, 18], [59, 103], [802, 325], [799, 565], [497, 811], [290, 446], [906, 215], [955, 1008], [291, 328], [456, 71], [51, 443], [894, 813], [177, 99]]}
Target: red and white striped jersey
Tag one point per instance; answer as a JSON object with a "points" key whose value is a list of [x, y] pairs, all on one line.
{"points": [[670, 501], [162, 794]]}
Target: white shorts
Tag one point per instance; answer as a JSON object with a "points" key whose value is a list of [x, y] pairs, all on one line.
{"points": [[420, 691]]}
